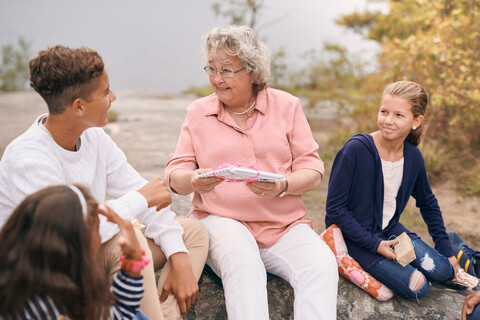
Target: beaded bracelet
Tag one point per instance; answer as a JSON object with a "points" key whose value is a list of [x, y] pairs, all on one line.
{"points": [[132, 265]]}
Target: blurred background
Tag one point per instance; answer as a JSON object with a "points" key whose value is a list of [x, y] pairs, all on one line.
{"points": [[155, 45]]}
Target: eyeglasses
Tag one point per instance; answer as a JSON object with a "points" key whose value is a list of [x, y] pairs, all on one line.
{"points": [[226, 73]]}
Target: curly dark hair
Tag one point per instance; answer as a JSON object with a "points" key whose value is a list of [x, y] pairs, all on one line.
{"points": [[61, 74], [417, 96], [45, 251]]}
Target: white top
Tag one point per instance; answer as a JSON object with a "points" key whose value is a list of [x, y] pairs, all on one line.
{"points": [[392, 179], [34, 160]]}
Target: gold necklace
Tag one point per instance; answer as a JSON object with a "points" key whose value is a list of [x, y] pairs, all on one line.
{"points": [[240, 113]]}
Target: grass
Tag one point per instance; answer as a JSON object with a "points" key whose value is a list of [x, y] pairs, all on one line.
{"points": [[200, 91], [413, 221], [471, 182], [112, 116]]}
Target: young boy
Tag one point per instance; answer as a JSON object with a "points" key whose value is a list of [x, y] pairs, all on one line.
{"points": [[68, 145]]}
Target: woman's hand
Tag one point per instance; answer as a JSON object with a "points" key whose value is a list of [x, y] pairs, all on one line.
{"points": [[267, 189], [470, 302], [384, 248], [204, 185], [128, 240]]}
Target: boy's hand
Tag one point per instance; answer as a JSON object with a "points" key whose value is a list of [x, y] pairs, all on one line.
{"points": [[156, 193]]}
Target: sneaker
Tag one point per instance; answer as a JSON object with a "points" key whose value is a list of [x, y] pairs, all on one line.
{"points": [[467, 258], [463, 281]]}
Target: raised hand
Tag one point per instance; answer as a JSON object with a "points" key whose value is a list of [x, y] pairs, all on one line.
{"points": [[128, 241]]}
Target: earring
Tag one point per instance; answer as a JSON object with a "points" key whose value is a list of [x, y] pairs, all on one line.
{"points": [[414, 128]]}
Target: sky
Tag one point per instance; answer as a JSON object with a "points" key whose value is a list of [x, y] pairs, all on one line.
{"points": [[156, 45]]}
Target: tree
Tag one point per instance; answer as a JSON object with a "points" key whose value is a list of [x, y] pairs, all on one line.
{"points": [[437, 44], [238, 10], [14, 71], [329, 74]]}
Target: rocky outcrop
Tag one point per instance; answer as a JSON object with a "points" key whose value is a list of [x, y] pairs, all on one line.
{"points": [[353, 303]]}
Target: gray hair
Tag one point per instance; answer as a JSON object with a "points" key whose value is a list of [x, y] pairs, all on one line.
{"points": [[243, 42]]}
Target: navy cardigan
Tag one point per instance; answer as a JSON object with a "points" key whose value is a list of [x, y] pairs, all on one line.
{"points": [[355, 199]]}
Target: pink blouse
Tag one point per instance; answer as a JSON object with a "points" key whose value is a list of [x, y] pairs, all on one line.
{"points": [[278, 139]]}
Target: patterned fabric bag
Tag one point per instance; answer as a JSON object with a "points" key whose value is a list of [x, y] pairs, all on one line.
{"points": [[351, 269]]}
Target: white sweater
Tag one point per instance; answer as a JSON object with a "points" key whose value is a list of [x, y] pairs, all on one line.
{"points": [[34, 160]]}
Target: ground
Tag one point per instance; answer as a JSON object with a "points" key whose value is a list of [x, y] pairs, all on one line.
{"points": [[147, 129]]}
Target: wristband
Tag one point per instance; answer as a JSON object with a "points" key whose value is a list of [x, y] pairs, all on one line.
{"points": [[284, 191], [132, 265]]}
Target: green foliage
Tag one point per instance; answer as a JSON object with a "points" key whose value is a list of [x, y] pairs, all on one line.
{"points": [[412, 219], [14, 71], [200, 91], [360, 22], [335, 142], [437, 44], [471, 185], [434, 155], [112, 116], [238, 10], [329, 74]]}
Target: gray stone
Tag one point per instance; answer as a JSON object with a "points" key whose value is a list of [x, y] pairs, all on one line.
{"points": [[211, 302], [353, 303], [440, 303]]}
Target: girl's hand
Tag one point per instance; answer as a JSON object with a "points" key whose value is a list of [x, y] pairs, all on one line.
{"points": [[267, 189], [204, 185], [385, 249], [128, 241]]}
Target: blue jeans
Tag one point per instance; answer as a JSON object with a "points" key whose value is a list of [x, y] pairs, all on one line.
{"points": [[429, 262]]}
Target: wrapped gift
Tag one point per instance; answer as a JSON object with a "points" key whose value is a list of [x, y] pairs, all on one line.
{"points": [[404, 253]]}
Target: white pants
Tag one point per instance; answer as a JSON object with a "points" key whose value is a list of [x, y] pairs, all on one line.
{"points": [[299, 257]]}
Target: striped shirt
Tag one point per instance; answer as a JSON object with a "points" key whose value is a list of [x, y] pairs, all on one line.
{"points": [[128, 292]]}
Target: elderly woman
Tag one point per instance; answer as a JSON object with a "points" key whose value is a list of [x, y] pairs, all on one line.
{"points": [[254, 227]]}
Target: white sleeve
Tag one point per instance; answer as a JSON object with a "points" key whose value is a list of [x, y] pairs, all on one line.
{"points": [[122, 183], [164, 229], [161, 226]]}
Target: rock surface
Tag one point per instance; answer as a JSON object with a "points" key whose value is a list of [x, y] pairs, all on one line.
{"points": [[147, 130], [353, 303]]}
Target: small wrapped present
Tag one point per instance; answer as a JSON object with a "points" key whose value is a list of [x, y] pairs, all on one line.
{"points": [[404, 253]]}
